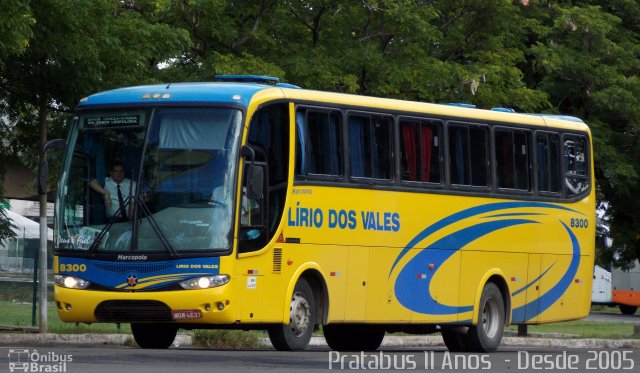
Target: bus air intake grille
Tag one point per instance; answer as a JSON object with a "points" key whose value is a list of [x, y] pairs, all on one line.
{"points": [[123, 268], [132, 310], [277, 260]]}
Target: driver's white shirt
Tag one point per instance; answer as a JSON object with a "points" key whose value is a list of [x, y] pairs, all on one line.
{"points": [[111, 187]]}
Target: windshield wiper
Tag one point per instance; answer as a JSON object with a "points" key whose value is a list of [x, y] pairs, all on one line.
{"points": [[154, 225], [113, 219]]}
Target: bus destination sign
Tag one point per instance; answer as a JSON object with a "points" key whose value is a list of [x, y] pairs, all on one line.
{"points": [[112, 121]]}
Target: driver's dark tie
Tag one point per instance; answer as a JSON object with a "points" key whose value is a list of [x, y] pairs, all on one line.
{"points": [[123, 213]]}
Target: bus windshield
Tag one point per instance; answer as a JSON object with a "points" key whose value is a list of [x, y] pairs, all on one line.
{"points": [[149, 181]]}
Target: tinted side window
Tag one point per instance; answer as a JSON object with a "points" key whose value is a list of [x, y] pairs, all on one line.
{"points": [[468, 155], [318, 143], [512, 159], [370, 146], [548, 162], [420, 150], [575, 164]]}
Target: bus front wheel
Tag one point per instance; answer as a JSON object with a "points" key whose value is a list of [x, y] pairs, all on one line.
{"points": [[486, 336], [353, 337], [159, 336], [296, 335]]}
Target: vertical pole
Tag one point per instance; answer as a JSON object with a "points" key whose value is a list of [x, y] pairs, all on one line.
{"points": [[522, 330], [34, 287], [42, 262]]}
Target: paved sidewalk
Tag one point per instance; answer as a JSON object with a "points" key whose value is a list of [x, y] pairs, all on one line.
{"points": [[49, 339]]}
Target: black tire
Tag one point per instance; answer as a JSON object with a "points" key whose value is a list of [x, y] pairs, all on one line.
{"points": [[158, 336], [341, 337], [455, 341], [627, 309], [486, 336], [302, 318]]}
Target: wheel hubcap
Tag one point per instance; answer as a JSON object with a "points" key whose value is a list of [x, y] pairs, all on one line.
{"points": [[490, 318], [300, 314]]}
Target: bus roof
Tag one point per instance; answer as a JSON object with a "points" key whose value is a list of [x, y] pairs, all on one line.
{"points": [[233, 92], [214, 92]]}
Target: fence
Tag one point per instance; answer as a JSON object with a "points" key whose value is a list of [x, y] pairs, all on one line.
{"points": [[18, 282]]}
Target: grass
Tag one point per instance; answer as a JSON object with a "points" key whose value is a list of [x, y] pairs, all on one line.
{"points": [[227, 339], [19, 314], [19, 292], [583, 329]]}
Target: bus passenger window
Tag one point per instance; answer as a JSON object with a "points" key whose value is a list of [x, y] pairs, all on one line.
{"points": [[370, 146], [468, 155], [548, 158], [420, 150], [575, 165], [318, 143], [512, 159]]}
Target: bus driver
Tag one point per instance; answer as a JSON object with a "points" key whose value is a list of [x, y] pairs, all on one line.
{"points": [[115, 192]]}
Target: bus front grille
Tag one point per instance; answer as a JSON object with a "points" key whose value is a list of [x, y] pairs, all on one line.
{"points": [[132, 311]]}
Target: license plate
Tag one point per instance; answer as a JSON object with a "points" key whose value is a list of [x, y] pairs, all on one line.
{"points": [[186, 314]]}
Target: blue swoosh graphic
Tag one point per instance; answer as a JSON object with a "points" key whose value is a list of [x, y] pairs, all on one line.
{"points": [[413, 292], [473, 211], [541, 304]]}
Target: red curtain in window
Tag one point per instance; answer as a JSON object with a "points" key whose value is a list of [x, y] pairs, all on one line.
{"points": [[427, 142], [409, 136]]}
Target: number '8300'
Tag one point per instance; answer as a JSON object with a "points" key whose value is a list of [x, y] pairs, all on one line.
{"points": [[579, 223], [73, 267]]}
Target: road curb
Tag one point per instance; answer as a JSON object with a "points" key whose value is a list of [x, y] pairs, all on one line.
{"points": [[50, 339]]}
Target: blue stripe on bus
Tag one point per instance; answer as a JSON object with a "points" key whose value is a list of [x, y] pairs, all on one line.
{"points": [[407, 285], [473, 211]]}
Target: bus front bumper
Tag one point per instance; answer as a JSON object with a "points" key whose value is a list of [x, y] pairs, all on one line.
{"points": [[204, 306]]}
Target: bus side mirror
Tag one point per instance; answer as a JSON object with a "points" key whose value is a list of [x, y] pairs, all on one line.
{"points": [[255, 183], [255, 173], [43, 169]]}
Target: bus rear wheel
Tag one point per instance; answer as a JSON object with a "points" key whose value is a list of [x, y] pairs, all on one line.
{"points": [[627, 309], [158, 336], [353, 337], [486, 336], [296, 335]]}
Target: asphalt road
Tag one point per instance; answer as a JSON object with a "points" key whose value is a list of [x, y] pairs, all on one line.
{"points": [[99, 359]]}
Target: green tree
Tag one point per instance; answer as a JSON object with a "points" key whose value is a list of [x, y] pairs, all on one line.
{"points": [[15, 16], [76, 48], [62, 50], [585, 56]]}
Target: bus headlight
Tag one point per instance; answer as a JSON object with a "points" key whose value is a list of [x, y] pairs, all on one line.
{"points": [[205, 282], [71, 282]]}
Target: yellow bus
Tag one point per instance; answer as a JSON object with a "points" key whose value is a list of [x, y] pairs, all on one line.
{"points": [[251, 204]]}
